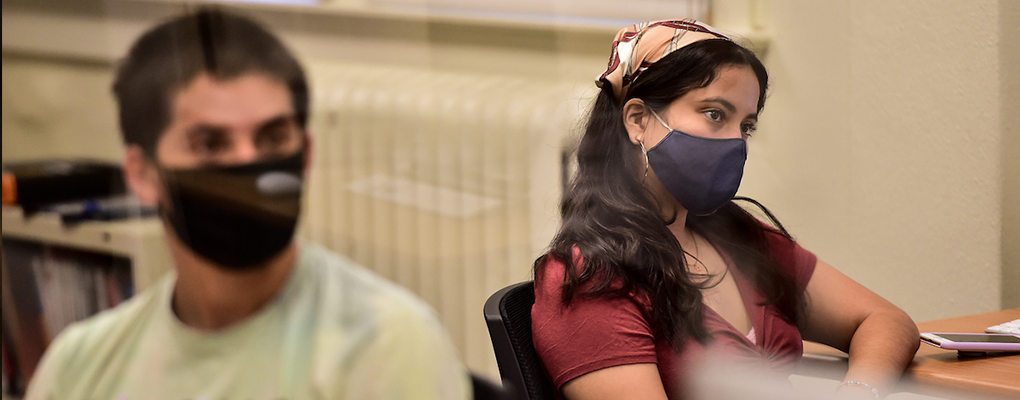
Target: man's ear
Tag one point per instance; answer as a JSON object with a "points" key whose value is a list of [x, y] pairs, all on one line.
{"points": [[635, 119], [141, 175], [309, 146]]}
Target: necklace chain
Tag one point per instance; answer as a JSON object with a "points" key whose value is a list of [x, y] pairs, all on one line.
{"points": [[697, 252]]}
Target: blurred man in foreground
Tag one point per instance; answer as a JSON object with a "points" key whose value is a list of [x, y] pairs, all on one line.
{"points": [[213, 110]]}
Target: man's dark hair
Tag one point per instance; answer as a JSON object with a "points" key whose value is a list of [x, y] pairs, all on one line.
{"points": [[168, 57]]}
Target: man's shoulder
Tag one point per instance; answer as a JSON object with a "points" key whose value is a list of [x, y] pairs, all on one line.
{"points": [[85, 345], [391, 342], [113, 324]]}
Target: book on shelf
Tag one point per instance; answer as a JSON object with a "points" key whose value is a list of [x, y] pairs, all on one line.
{"points": [[46, 289]]}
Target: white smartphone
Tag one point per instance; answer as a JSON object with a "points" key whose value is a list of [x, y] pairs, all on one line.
{"points": [[972, 341]]}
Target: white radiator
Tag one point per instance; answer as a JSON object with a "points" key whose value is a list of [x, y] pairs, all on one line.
{"points": [[445, 183]]}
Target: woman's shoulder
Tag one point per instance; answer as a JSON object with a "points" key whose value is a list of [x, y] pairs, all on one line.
{"points": [[553, 277], [553, 270], [550, 276], [591, 331], [789, 254]]}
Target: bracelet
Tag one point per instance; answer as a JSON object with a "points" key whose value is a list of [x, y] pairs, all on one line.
{"points": [[859, 384]]}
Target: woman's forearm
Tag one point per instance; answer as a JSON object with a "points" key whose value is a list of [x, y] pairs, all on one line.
{"points": [[880, 349]]}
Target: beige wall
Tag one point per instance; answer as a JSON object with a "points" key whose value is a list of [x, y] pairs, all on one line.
{"points": [[1009, 71], [884, 142], [57, 108], [889, 145]]}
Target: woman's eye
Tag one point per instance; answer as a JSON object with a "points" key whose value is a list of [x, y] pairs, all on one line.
{"points": [[748, 129], [714, 115]]}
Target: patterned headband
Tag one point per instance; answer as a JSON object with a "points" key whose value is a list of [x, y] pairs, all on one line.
{"points": [[637, 47]]}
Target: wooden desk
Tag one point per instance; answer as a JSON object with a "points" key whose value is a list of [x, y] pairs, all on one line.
{"points": [[942, 372], [995, 374]]}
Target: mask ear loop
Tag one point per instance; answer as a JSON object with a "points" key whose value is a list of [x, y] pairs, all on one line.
{"points": [[660, 120], [642, 142]]}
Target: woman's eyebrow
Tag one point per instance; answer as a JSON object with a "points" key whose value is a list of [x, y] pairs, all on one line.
{"points": [[723, 102], [728, 106]]}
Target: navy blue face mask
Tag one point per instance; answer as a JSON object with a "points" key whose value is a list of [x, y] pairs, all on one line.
{"points": [[701, 173]]}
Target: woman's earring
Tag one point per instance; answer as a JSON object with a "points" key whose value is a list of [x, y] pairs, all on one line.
{"points": [[645, 152]]}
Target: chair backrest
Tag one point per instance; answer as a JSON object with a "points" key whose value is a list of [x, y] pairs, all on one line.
{"points": [[484, 389], [508, 316]]}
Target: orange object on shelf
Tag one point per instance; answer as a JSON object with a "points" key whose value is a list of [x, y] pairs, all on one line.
{"points": [[10, 190]]}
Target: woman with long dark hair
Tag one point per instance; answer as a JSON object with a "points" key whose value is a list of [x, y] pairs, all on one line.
{"points": [[655, 264]]}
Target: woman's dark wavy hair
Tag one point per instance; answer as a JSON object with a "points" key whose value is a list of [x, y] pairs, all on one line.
{"points": [[617, 225]]}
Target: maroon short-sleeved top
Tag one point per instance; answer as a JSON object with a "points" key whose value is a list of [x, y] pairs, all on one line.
{"points": [[593, 333]]}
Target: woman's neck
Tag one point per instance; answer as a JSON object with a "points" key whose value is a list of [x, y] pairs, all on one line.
{"points": [[667, 207], [683, 234]]}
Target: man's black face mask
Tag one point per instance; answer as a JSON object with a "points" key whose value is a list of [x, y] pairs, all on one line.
{"points": [[238, 217]]}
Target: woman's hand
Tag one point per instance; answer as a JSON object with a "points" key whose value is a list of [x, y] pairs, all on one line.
{"points": [[880, 338]]}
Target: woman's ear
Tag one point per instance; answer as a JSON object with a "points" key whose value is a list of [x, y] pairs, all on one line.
{"points": [[635, 117], [141, 175]]}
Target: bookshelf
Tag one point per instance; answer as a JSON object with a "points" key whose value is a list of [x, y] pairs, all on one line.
{"points": [[56, 274], [139, 240]]}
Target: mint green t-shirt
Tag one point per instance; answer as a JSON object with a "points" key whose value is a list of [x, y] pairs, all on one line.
{"points": [[335, 331]]}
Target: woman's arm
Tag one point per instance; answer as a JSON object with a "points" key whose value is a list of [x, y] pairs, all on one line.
{"points": [[880, 338], [632, 381]]}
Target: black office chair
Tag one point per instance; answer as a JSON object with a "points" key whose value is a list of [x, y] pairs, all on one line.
{"points": [[508, 316], [484, 389]]}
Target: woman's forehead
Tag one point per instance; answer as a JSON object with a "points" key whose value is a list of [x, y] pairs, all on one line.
{"points": [[736, 85]]}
